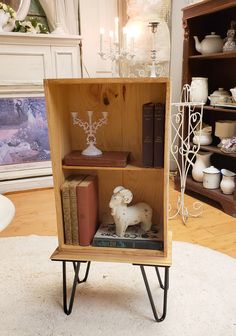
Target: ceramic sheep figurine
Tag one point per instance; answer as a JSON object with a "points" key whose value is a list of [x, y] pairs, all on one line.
{"points": [[124, 215]]}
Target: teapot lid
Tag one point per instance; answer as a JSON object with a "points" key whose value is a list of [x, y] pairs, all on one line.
{"points": [[220, 92], [211, 170], [213, 34]]}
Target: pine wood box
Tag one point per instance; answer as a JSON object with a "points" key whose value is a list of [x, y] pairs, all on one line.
{"points": [[122, 98]]}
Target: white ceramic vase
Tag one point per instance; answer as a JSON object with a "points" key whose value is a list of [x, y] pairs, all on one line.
{"points": [[199, 90], [201, 163], [4, 17], [227, 184]]}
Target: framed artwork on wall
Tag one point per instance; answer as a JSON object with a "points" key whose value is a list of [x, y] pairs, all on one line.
{"points": [[24, 144]]}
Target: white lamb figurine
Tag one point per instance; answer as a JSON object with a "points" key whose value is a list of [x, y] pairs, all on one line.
{"points": [[124, 215]]}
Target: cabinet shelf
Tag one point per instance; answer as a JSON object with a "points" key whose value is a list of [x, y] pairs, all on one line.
{"points": [[219, 109], [222, 55], [109, 254], [215, 149], [198, 20], [129, 167]]}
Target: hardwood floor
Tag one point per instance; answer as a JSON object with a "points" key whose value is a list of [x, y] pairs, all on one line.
{"points": [[35, 214]]}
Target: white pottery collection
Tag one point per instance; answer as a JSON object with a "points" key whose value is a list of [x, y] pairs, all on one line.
{"points": [[203, 137], [199, 90], [211, 178], [220, 96], [227, 184], [210, 44], [201, 163]]}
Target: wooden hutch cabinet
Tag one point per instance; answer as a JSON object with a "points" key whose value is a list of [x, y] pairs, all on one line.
{"points": [[201, 19]]}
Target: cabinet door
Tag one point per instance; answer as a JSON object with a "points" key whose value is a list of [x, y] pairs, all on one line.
{"points": [[66, 62], [24, 64]]}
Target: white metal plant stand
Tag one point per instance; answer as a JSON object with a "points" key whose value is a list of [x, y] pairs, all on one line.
{"points": [[182, 150], [90, 129]]}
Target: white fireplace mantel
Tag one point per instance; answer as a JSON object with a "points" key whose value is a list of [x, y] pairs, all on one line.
{"points": [[29, 58], [25, 60]]}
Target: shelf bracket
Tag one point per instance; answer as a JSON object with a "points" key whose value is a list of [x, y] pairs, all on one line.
{"points": [[76, 281], [163, 285]]}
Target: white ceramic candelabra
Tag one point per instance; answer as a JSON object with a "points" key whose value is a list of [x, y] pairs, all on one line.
{"points": [[183, 152], [117, 51], [90, 129]]}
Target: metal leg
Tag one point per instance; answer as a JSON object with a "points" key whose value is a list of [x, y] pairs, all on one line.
{"points": [[76, 281], [165, 287], [86, 272]]}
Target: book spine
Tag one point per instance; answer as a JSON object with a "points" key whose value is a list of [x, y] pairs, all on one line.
{"points": [[147, 245], [147, 135], [65, 195], [159, 127], [73, 212], [87, 212]]}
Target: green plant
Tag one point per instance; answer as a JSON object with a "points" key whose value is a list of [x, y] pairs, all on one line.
{"points": [[8, 9], [32, 25]]}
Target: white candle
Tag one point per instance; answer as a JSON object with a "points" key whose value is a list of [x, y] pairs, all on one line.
{"points": [[102, 31], [111, 36], [116, 30], [124, 38]]}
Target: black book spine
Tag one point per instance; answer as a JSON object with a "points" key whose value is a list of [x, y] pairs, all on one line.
{"points": [[124, 243], [159, 133], [148, 133]]}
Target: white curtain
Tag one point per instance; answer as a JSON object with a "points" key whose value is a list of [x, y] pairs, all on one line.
{"points": [[66, 16]]}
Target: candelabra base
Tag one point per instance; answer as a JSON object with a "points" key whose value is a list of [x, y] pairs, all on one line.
{"points": [[91, 150]]}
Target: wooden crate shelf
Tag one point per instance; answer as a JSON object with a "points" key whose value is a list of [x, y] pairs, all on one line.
{"points": [[123, 100]]}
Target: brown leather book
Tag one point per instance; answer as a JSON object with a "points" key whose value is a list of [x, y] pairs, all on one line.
{"points": [[147, 134], [65, 197], [107, 159], [87, 202], [73, 207], [159, 132]]}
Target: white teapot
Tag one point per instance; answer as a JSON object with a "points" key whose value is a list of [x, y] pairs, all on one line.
{"points": [[211, 44]]}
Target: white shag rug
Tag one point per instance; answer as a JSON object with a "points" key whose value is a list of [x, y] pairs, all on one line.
{"points": [[201, 298]]}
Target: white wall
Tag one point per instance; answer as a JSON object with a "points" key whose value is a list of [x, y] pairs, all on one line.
{"points": [[95, 14]]}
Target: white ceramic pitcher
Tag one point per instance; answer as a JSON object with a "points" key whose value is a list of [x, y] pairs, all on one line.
{"points": [[201, 163], [227, 184]]}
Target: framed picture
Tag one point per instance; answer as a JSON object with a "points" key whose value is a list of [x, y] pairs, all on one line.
{"points": [[24, 144]]}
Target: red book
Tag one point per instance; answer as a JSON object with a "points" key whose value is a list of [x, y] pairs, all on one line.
{"points": [[87, 207]]}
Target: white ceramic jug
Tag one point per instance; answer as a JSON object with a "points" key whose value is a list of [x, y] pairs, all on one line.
{"points": [[201, 163], [199, 90], [227, 184]]}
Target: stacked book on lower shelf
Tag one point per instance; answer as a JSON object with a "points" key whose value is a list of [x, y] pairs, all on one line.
{"points": [[134, 237], [80, 209]]}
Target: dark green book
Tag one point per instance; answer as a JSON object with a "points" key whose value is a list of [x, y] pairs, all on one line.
{"points": [[134, 237]]}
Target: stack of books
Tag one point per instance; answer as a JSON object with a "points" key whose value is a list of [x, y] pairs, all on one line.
{"points": [[153, 132], [79, 196]]}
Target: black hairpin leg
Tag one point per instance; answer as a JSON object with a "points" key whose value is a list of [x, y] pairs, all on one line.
{"points": [[164, 286], [76, 281]]}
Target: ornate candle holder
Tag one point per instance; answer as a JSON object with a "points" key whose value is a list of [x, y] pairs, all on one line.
{"points": [[182, 150], [90, 129], [117, 52], [154, 65]]}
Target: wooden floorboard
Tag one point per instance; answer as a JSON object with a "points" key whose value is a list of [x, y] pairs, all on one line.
{"points": [[35, 214]]}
